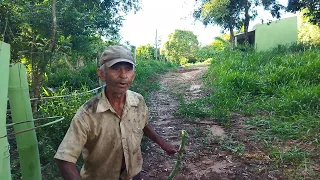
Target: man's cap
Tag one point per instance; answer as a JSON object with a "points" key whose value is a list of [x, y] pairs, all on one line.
{"points": [[115, 54]]}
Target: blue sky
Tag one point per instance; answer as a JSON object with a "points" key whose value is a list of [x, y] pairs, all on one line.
{"points": [[168, 15]]}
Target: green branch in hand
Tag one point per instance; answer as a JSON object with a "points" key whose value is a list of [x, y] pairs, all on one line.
{"points": [[176, 168]]}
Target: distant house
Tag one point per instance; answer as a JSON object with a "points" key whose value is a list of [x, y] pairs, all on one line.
{"points": [[266, 36]]}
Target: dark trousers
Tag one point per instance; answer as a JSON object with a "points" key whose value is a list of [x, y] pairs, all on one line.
{"points": [[136, 177]]}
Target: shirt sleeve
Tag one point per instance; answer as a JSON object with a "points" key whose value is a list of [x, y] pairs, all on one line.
{"points": [[74, 140], [146, 112]]}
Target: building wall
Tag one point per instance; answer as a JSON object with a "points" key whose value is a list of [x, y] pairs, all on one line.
{"points": [[281, 32]]}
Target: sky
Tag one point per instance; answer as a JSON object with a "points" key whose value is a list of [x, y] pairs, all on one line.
{"points": [[167, 15]]}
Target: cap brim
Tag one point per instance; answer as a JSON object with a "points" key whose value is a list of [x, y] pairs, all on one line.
{"points": [[114, 61]]}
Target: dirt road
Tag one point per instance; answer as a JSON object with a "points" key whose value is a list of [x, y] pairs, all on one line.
{"points": [[212, 152]]}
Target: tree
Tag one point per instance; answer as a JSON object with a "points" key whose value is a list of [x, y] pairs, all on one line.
{"points": [[146, 52], [233, 14], [181, 46], [310, 8], [206, 52], [224, 13], [221, 43], [42, 31], [250, 13], [308, 33]]}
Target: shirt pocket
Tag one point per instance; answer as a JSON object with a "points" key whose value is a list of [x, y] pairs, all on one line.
{"points": [[136, 138]]}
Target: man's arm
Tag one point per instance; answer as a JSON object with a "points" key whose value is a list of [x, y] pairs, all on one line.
{"points": [[68, 170], [149, 132]]}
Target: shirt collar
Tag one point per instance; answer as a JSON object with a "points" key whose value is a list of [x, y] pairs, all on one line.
{"points": [[104, 104]]}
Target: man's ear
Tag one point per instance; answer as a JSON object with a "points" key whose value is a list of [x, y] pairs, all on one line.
{"points": [[101, 74], [134, 75]]}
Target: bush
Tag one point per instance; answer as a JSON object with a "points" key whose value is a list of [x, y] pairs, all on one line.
{"points": [[74, 79]]}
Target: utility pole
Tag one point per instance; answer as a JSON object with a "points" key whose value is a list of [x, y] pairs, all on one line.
{"points": [[135, 53], [156, 53]]}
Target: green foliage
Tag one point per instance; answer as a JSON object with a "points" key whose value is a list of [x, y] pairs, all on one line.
{"points": [[225, 13], [279, 90], [233, 14], [65, 107], [282, 83], [181, 47], [235, 147], [310, 9], [292, 156], [307, 32], [146, 52], [43, 32], [221, 13], [205, 52], [221, 43], [192, 109], [74, 79]]}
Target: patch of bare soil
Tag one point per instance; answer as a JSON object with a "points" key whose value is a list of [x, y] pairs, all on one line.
{"points": [[204, 158]]}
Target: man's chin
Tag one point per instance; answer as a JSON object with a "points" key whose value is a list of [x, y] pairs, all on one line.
{"points": [[121, 91], [118, 90]]}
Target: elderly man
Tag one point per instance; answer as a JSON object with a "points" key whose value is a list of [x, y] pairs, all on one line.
{"points": [[109, 127]]}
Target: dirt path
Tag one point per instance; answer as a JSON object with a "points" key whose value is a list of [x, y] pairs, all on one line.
{"points": [[211, 151]]}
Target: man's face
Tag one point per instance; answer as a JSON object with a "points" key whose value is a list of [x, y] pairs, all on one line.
{"points": [[118, 77]]}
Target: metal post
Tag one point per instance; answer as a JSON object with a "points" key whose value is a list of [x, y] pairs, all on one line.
{"points": [[5, 172], [20, 106], [156, 53]]}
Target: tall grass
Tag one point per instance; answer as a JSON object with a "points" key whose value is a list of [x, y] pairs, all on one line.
{"points": [[282, 84], [279, 89]]}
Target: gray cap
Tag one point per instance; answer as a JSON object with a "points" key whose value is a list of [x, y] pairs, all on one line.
{"points": [[115, 54]]}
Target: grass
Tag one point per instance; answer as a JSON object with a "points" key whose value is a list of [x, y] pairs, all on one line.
{"points": [[279, 89]]}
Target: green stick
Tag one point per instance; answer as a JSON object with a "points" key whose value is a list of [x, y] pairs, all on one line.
{"points": [[176, 168], [5, 172], [21, 110]]}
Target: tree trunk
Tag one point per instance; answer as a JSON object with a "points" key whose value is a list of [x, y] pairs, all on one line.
{"points": [[232, 43], [54, 25], [41, 68], [246, 21]]}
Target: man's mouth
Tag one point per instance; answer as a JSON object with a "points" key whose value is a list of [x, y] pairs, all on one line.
{"points": [[122, 84]]}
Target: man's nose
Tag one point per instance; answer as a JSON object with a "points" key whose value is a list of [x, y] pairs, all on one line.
{"points": [[123, 73]]}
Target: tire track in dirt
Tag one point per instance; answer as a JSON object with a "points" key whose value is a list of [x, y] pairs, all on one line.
{"points": [[202, 160], [162, 106]]}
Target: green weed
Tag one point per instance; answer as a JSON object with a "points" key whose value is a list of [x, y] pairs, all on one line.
{"points": [[235, 147], [280, 89], [292, 156], [283, 84]]}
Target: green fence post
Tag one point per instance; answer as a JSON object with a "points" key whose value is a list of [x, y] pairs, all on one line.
{"points": [[21, 110], [5, 172]]}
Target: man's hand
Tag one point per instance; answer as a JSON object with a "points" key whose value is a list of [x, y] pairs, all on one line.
{"points": [[168, 148], [151, 134], [68, 170]]}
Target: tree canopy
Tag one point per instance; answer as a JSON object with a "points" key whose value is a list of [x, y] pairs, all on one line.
{"points": [[311, 9], [181, 46], [146, 52], [43, 31], [233, 14]]}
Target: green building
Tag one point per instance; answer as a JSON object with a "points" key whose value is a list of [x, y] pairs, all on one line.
{"points": [[281, 32]]}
